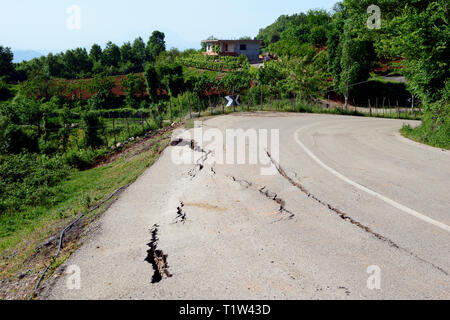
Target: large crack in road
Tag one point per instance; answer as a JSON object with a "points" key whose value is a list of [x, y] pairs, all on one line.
{"points": [[344, 216], [157, 258]]}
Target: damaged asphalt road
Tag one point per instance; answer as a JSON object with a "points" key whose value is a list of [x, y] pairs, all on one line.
{"points": [[212, 231]]}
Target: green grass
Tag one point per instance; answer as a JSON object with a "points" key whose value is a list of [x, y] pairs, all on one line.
{"points": [[424, 134], [189, 72], [23, 231], [304, 107], [382, 79]]}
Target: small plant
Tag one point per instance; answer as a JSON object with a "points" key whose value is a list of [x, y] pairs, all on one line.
{"points": [[80, 160], [86, 201], [93, 124]]}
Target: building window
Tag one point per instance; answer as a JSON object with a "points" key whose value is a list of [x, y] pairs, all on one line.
{"points": [[243, 47]]}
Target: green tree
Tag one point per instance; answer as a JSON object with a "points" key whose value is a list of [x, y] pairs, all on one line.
{"points": [[236, 81], [111, 57], [139, 54], [5, 91], [156, 44], [77, 63], [100, 86], [38, 86], [152, 81], [95, 53], [126, 58], [357, 59], [54, 66], [420, 35], [134, 86], [93, 124], [6, 63], [305, 78], [64, 132]]}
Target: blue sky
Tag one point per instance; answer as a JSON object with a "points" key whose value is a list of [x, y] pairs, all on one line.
{"points": [[42, 25]]}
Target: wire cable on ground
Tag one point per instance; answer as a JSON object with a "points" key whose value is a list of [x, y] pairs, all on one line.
{"points": [[61, 236]]}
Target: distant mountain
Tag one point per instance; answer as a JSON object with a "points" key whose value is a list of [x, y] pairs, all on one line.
{"points": [[25, 55]]}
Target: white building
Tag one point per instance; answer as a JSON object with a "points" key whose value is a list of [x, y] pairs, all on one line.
{"points": [[250, 48]]}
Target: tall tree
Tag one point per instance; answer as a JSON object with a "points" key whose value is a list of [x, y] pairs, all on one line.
{"points": [[6, 63], [139, 54], [133, 86], [152, 81], [96, 53], [111, 55], [156, 44], [356, 61]]}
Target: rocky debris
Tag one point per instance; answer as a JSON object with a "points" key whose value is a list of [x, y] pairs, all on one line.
{"points": [[47, 243], [181, 214]]}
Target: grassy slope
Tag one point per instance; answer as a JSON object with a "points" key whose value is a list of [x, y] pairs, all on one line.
{"points": [[81, 189], [424, 135]]}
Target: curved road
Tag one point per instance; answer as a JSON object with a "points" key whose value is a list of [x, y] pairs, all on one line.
{"points": [[351, 202]]}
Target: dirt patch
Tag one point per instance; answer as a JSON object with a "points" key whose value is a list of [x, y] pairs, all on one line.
{"points": [[140, 146], [204, 205]]}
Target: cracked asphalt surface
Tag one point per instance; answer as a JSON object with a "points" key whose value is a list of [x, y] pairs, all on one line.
{"points": [[210, 231]]}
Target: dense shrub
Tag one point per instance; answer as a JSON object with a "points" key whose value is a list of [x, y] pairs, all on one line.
{"points": [[48, 147], [212, 62], [14, 139], [92, 124], [81, 160], [28, 180], [435, 128], [5, 91]]}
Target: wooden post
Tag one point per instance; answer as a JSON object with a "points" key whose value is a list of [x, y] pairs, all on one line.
{"points": [[170, 109], [261, 100], [376, 105], [295, 102], [114, 130], [232, 95], [346, 99], [189, 104], [398, 110], [210, 105], [199, 106], [413, 111], [128, 127], [370, 108], [384, 111], [180, 108]]}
